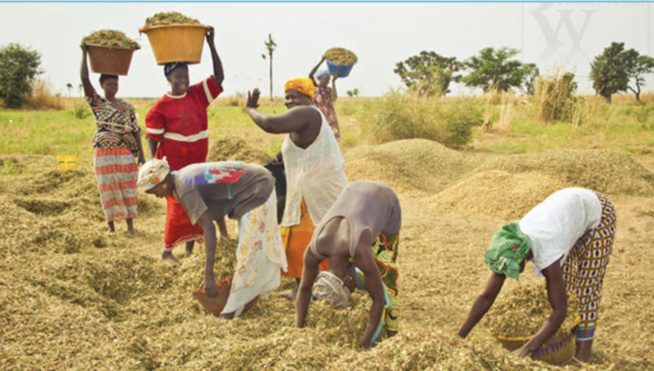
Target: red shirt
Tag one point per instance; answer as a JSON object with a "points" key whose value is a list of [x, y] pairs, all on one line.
{"points": [[179, 124]]}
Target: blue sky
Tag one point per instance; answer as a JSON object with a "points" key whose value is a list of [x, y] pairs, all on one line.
{"points": [[555, 36]]}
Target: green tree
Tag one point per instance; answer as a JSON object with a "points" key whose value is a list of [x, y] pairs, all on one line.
{"points": [[428, 73], [493, 70], [609, 71], [270, 46], [19, 67], [636, 68], [555, 97]]}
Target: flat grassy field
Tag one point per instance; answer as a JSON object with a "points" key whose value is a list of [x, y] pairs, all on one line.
{"points": [[74, 297]]}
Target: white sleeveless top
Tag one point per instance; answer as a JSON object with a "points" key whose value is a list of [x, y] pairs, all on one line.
{"points": [[555, 225], [316, 173]]}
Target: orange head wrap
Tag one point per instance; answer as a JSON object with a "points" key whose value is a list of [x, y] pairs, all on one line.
{"points": [[302, 84]]}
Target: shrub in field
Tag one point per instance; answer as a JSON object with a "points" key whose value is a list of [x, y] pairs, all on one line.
{"points": [[81, 111], [554, 100], [19, 66], [408, 115], [42, 97], [459, 119]]}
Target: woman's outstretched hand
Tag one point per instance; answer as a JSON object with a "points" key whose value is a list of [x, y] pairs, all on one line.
{"points": [[253, 99]]}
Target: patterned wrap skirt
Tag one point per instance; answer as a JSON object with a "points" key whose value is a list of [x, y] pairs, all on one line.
{"points": [[259, 257], [585, 266], [117, 173], [386, 252]]}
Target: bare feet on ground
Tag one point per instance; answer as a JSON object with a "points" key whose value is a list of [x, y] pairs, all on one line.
{"points": [[289, 294], [227, 315], [168, 258]]}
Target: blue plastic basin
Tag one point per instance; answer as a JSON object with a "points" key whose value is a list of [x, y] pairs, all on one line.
{"points": [[343, 70]]}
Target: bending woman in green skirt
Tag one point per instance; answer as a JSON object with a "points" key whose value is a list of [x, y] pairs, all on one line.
{"points": [[569, 238]]}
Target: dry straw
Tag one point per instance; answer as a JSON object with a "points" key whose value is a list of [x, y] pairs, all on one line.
{"points": [[524, 310], [606, 171], [409, 165], [167, 18], [72, 297], [236, 149], [496, 195]]}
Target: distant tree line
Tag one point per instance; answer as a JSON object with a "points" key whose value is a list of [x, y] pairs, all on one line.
{"points": [[429, 73], [615, 70]]}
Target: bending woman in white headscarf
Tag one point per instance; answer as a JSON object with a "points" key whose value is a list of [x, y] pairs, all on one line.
{"points": [[244, 192]]}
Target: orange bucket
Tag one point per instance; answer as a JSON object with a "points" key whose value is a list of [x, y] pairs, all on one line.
{"points": [[110, 60], [215, 305], [176, 42]]}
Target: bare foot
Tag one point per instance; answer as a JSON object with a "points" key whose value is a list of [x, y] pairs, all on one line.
{"points": [[289, 294], [133, 232], [168, 258], [227, 315]]}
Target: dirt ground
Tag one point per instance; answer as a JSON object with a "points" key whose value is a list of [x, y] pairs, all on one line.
{"points": [[74, 297]]}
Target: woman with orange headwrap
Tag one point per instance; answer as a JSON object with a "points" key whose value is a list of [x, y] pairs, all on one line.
{"points": [[315, 170]]}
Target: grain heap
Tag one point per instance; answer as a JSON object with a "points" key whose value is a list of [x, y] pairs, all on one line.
{"points": [[606, 171], [408, 165], [166, 18], [523, 311], [101, 300], [341, 56], [110, 38], [495, 195], [236, 149], [61, 210]]}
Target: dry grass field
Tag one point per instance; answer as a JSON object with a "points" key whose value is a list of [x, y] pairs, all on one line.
{"points": [[74, 297]]}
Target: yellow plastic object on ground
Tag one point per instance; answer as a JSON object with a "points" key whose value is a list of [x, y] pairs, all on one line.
{"points": [[67, 163]]}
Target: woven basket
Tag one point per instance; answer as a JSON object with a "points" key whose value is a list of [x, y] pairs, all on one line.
{"points": [[557, 350]]}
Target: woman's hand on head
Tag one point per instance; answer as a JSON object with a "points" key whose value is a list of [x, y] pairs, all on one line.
{"points": [[210, 35], [253, 99]]}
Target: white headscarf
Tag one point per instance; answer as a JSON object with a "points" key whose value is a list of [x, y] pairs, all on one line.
{"points": [[330, 288], [152, 173]]}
